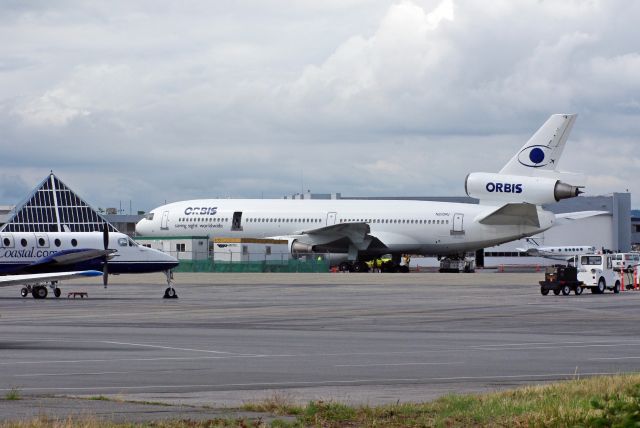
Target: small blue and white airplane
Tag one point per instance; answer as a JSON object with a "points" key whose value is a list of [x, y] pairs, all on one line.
{"points": [[37, 259], [510, 208]]}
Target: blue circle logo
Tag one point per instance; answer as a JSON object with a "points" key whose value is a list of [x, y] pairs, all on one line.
{"points": [[536, 155]]}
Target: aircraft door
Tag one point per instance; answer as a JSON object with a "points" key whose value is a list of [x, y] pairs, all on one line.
{"points": [[236, 222], [164, 223], [331, 219], [458, 224]]}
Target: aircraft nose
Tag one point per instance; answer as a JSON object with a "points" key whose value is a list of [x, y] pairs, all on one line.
{"points": [[142, 227]]}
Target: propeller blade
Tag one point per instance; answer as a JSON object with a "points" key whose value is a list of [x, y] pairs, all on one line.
{"points": [[105, 274], [105, 266], [105, 236]]}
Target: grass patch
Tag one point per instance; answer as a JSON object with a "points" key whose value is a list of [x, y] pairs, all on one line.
{"points": [[598, 401], [98, 398], [13, 394], [607, 401], [277, 404]]}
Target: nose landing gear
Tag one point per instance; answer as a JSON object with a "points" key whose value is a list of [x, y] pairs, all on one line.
{"points": [[170, 292]]}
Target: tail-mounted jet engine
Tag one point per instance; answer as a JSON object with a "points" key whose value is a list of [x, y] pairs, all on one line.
{"points": [[514, 188]]}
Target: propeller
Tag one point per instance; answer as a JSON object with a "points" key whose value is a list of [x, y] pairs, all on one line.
{"points": [[105, 267]]}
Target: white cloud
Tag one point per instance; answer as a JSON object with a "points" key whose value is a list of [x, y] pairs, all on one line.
{"points": [[163, 101]]}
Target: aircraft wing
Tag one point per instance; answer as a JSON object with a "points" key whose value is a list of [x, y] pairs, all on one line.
{"points": [[35, 278], [355, 232], [517, 214], [564, 218], [336, 237], [66, 257], [530, 251]]}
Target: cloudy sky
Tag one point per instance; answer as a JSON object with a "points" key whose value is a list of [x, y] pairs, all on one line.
{"points": [[155, 101]]}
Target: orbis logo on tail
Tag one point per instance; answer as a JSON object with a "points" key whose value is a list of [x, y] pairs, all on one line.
{"points": [[535, 156]]}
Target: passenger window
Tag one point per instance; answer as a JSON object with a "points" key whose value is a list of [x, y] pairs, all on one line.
{"points": [[74, 243], [23, 242]]}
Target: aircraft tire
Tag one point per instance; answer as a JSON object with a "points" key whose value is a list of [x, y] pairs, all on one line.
{"points": [[360, 267], [566, 290], [57, 292], [579, 290], [170, 293], [24, 292], [345, 267], [39, 292]]}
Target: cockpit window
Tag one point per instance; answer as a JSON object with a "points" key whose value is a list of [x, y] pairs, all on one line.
{"points": [[123, 242], [148, 216], [132, 243]]}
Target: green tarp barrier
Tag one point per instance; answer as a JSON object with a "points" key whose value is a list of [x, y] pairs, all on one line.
{"points": [[261, 266]]}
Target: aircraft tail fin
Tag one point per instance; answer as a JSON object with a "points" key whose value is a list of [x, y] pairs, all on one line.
{"points": [[544, 149]]}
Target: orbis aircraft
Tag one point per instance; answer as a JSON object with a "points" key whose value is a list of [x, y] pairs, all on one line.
{"points": [[35, 259], [509, 209]]}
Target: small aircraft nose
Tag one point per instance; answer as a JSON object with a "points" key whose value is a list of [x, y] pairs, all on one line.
{"points": [[142, 227]]}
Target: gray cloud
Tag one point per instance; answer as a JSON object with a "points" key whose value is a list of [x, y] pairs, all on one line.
{"points": [[155, 101]]}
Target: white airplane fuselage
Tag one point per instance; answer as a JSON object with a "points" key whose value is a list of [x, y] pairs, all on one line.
{"points": [[416, 227], [22, 252]]}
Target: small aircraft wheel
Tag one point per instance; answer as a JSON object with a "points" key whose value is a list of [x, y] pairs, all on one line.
{"points": [[57, 292], [566, 290], [39, 292], [170, 293], [360, 267], [556, 292], [544, 291], [345, 267], [24, 292], [578, 290], [616, 287]]}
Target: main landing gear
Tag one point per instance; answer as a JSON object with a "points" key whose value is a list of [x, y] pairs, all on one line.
{"points": [[170, 292], [39, 291]]}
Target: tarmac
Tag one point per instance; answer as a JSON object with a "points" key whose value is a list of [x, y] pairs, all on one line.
{"points": [[230, 339]]}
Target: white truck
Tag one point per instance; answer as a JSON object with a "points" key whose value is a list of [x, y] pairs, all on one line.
{"points": [[626, 261], [596, 272]]}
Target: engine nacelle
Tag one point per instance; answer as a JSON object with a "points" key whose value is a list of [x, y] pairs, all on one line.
{"points": [[298, 247], [514, 188]]}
